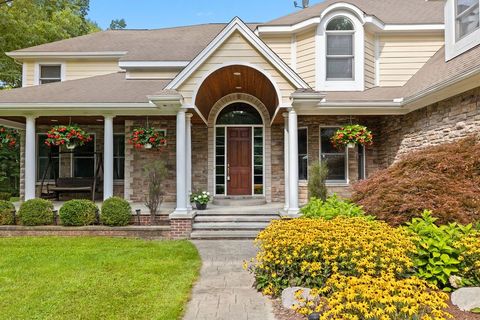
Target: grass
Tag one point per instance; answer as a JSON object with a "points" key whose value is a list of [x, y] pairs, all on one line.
{"points": [[14, 199], [95, 278]]}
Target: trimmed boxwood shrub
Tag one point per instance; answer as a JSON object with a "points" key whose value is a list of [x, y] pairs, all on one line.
{"points": [[444, 179], [116, 212], [36, 212], [78, 213], [6, 212]]}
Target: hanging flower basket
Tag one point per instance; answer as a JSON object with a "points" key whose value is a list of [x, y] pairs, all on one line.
{"points": [[70, 136], [148, 138], [351, 135], [8, 137]]}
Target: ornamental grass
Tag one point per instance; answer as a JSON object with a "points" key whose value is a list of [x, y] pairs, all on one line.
{"points": [[375, 298], [307, 252]]}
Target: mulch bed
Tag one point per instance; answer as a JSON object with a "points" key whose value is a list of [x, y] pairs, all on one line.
{"points": [[284, 314]]}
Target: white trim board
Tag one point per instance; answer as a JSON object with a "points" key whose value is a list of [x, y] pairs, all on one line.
{"points": [[238, 25]]}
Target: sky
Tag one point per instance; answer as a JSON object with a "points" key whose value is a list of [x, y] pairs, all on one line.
{"points": [[151, 14]]}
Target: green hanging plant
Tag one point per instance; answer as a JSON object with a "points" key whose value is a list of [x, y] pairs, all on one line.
{"points": [[8, 137], [71, 136], [352, 135]]}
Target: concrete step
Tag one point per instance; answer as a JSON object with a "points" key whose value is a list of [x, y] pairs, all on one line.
{"points": [[220, 212], [230, 225], [224, 234], [239, 201], [236, 218]]}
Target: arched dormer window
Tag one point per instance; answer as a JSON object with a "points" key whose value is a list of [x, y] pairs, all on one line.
{"points": [[340, 49]]}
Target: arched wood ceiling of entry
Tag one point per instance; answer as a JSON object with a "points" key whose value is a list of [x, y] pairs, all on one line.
{"points": [[224, 81]]}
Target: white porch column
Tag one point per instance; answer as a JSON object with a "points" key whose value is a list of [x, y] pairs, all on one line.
{"points": [[181, 164], [293, 162], [188, 152], [30, 158], [286, 162], [108, 158]]}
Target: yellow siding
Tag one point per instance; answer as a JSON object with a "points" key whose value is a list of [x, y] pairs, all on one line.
{"points": [[402, 56], [236, 49], [306, 56], [149, 74], [282, 46], [84, 69], [30, 71], [369, 61]]}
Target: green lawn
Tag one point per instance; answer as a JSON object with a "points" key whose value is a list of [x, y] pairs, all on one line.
{"points": [[95, 278]]}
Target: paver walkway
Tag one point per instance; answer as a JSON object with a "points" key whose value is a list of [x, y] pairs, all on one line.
{"points": [[224, 290]]}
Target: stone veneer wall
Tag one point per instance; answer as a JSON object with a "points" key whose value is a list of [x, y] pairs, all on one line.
{"points": [[445, 121], [199, 157]]}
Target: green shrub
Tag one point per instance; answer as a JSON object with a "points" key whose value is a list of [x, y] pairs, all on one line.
{"points": [[5, 196], [116, 212], [331, 208], [6, 212], [437, 257], [78, 213], [317, 180], [36, 212]]}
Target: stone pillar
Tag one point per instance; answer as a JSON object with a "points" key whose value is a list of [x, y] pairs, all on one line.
{"points": [[293, 162], [286, 162], [108, 158], [188, 145], [181, 163], [30, 158]]}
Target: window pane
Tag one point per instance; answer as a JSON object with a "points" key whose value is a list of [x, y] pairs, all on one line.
{"points": [[339, 68], [43, 153], [84, 167], [463, 5], [361, 162], [220, 189], [302, 154], [239, 113], [326, 143], [52, 72], [468, 23], [302, 141], [119, 145], [302, 167], [119, 169], [336, 166], [45, 81], [340, 44], [340, 23]]}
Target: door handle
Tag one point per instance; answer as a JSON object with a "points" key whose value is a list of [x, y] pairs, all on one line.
{"points": [[228, 171]]}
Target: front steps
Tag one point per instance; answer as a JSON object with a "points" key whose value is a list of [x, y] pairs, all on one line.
{"points": [[233, 222]]}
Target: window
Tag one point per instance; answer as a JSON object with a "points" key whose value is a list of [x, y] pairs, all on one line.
{"points": [[118, 156], [340, 51], [220, 160], [84, 160], [361, 162], [336, 158], [239, 113], [50, 73], [303, 154], [467, 17], [258, 161], [42, 159]]}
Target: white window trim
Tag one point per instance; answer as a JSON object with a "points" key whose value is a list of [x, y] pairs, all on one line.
{"points": [[308, 160], [454, 48], [334, 183], [36, 74], [358, 82]]}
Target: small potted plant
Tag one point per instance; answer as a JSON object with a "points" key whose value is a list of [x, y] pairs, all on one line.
{"points": [[8, 137], [201, 199], [351, 135], [71, 136], [147, 138]]}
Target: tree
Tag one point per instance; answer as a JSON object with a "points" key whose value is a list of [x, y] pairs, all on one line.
{"points": [[317, 180], [26, 23], [118, 24], [155, 174]]}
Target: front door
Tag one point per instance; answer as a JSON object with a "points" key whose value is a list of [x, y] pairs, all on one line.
{"points": [[239, 161]]}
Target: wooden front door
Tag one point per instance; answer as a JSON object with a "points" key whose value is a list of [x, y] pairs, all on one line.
{"points": [[239, 161]]}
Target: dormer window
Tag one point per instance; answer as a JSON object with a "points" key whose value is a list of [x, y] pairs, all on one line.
{"points": [[50, 73], [467, 17], [340, 49]]}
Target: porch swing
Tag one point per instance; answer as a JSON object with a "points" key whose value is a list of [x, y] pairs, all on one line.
{"points": [[70, 184]]}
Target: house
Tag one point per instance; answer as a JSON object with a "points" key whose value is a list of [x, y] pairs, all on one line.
{"points": [[247, 108]]}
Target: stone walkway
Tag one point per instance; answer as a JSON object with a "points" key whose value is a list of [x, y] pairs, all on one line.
{"points": [[224, 290]]}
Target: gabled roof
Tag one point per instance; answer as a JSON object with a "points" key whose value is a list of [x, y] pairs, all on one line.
{"points": [[237, 25], [388, 11], [169, 44], [110, 88]]}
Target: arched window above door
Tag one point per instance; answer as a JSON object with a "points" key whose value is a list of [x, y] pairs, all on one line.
{"points": [[239, 113]]}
